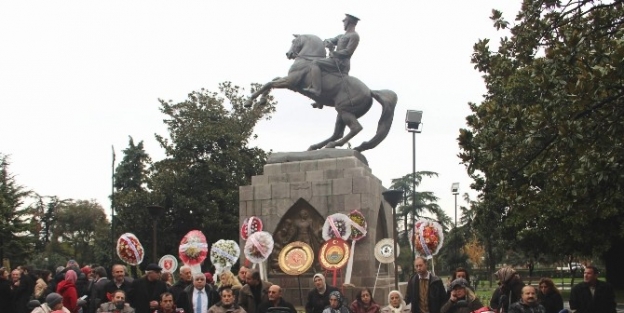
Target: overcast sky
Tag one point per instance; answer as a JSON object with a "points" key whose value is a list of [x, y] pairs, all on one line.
{"points": [[77, 77]]}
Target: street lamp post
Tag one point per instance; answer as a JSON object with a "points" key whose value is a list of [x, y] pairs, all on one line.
{"points": [[393, 197], [413, 125], [155, 211], [455, 191]]}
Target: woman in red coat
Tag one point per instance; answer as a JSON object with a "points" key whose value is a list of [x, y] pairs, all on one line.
{"points": [[67, 289], [364, 303]]}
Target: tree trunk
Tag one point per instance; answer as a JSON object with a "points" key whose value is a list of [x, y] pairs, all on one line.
{"points": [[613, 264]]}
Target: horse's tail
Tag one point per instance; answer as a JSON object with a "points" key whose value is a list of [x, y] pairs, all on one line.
{"points": [[388, 100]]}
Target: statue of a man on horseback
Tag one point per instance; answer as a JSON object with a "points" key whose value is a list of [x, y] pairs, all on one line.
{"points": [[348, 95], [339, 61]]}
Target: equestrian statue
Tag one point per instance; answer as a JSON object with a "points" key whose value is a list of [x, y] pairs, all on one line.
{"points": [[326, 80]]}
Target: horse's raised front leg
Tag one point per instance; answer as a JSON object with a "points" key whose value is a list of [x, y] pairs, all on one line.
{"points": [[265, 89], [354, 128], [339, 129]]}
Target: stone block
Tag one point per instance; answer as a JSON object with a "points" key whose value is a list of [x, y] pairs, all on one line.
{"points": [[352, 202], [282, 206], [245, 193], [347, 162], [301, 190], [272, 169], [354, 172], [322, 188], [279, 178], [268, 207], [342, 186], [362, 185], [327, 164], [280, 190], [259, 180], [334, 174], [296, 177], [290, 167], [320, 204], [368, 202], [262, 192], [311, 165], [316, 175], [336, 204]]}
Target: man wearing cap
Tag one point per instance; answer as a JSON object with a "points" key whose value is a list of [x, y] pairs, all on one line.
{"points": [[53, 302], [508, 291], [318, 298], [145, 291], [339, 61], [592, 295], [528, 302], [425, 291], [462, 298]]}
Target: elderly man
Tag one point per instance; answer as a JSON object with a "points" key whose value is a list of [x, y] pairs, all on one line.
{"points": [[145, 291], [425, 292], [275, 300], [528, 302], [227, 303], [318, 298], [119, 282], [198, 297], [255, 292], [592, 295], [186, 279]]}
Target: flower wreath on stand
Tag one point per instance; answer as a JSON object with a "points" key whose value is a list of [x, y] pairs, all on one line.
{"points": [[337, 225], [427, 238], [358, 225], [223, 254], [193, 249], [130, 249], [259, 246]]}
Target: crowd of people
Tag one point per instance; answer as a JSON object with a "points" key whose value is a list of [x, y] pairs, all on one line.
{"points": [[72, 289]]}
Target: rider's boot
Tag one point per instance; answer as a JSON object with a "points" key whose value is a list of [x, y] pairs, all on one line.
{"points": [[315, 81]]}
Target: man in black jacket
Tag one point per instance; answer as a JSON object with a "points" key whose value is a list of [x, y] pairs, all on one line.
{"points": [[188, 299], [186, 279], [275, 300], [592, 295], [425, 291], [318, 298], [98, 295], [145, 292]]}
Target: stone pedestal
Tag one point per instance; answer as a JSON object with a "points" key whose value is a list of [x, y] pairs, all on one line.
{"points": [[321, 182]]}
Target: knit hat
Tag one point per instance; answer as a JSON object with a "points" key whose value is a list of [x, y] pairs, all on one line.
{"points": [[459, 282], [86, 270], [53, 299], [209, 279]]}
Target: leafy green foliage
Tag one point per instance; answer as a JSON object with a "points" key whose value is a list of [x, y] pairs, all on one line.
{"points": [[16, 243], [545, 146]]}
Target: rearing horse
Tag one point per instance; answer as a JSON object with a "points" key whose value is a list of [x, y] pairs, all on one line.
{"points": [[347, 94]]}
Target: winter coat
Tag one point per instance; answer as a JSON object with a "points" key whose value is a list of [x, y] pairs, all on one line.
{"points": [[505, 294], [247, 300], [461, 306], [266, 305], [44, 308], [317, 302], [436, 296], [357, 307], [185, 300], [404, 308], [67, 289], [520, 307], [218, 308], [40, 288], [110, 307], [142, 292], [552, 302], [603, 300]]}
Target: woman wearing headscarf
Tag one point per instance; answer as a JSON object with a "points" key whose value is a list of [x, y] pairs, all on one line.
{"points": [[318, 298], [396, 303], [67, 289], [462, 300], [509, 289], [364, 303], [336, 304]]}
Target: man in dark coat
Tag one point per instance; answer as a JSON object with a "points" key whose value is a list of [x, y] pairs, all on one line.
{"points": [[199, 288], [425, 292], [186, 279], [98, 295], [119, 282], [592, 295], [252, 294], [509, 290], [275, 300], [318, 298], [22, 289], [145, 292]]}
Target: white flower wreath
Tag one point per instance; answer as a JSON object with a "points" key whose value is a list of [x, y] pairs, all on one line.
{"points": [[223, 254], [337, 225], [259, 247]]}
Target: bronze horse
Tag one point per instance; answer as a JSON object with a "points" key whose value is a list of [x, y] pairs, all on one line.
{"points": [[347, 94]]}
